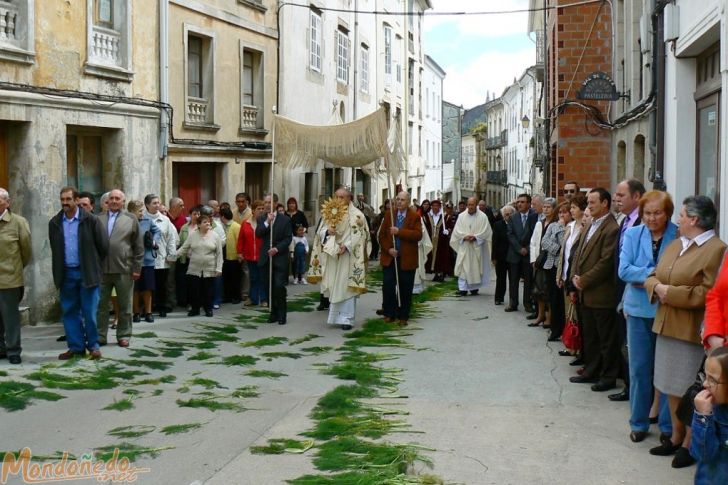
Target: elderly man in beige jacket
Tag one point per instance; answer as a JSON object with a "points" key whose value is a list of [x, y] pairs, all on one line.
{"points": [[121, 267], [15, 255]]}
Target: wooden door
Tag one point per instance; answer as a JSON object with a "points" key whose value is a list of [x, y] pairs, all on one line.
{"points": [[188, 183]]}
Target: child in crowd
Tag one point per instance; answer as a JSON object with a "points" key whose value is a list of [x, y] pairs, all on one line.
{"points": [[709, 443], [299, 250]]}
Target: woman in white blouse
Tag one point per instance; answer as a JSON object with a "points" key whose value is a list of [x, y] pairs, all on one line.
{"points": [[204, 250]]}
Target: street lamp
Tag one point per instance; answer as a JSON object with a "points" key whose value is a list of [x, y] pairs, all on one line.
{"points": [[525, 122]]}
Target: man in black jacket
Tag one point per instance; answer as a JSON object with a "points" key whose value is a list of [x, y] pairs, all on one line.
{"points": [[277, 256], [79, 243], [500, 253]]}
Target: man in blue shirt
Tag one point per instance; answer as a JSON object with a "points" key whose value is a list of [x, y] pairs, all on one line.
{"points": [[78, 243]]}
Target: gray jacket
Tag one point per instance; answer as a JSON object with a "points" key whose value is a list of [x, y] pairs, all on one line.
{"points": [[126, 245]]}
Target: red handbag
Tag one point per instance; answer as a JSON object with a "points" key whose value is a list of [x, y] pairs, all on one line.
{"points": [[571, 336]]}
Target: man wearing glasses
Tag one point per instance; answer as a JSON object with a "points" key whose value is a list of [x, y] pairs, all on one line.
{"points": [[571, 188]]}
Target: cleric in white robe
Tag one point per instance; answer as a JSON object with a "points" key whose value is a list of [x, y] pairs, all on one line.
{"points": [[424, 247], [471, 241]]}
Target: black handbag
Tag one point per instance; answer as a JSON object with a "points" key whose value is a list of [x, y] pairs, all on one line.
{"points": [[687, 403], [541, 259]]}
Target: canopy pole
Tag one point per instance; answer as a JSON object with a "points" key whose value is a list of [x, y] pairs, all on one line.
{"points": [[391, 217], [272, 210]]}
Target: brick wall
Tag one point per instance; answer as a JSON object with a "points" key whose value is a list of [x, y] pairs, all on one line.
{"points": [[579, 41]]}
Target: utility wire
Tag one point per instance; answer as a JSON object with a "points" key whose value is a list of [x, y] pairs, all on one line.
{"points": [[440, 14]]}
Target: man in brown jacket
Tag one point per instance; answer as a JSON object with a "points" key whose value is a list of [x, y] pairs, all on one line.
{"points": [[15, 255], [398, 242], [594, 280]]}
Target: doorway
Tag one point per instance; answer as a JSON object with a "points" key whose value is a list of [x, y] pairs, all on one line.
{"points": [[194, 182], [708, 147], [257, 179]]}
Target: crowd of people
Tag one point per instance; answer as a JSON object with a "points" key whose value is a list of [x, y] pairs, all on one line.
{"points": [[633, 296]]}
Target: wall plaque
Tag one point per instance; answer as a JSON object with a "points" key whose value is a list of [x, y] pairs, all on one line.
{"points": [[598, 86]]}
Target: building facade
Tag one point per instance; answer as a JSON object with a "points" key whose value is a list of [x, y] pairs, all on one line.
{"points": [[433, 81], [78, 106], [219, 66], [577, 43], [473, 132], [496, 175], [451, 150], [695, 76]]}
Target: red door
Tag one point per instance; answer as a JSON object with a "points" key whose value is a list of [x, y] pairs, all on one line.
{"points": [[195, 182]]}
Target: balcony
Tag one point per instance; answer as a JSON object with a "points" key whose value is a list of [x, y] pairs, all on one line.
{"points": [[249, 118], [105, 46], [497, 141], [197, 110], [540, 54], [497, 177], [9, 23]]}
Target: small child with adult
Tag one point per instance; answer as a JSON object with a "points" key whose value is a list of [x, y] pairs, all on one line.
{"points": [[299, 250]]}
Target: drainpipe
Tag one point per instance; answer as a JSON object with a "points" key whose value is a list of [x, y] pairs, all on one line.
{"points": [[657, 118], [547, 189], [163, 87]]}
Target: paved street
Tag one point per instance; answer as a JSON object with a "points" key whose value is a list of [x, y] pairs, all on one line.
{"points": [[484, 391]]}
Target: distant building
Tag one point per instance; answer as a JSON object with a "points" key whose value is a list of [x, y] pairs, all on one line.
{"points": [[473, 132], [495, 159], [434, 77], [451, 150]]}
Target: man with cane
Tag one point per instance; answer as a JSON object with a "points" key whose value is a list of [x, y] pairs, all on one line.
{"points": [[399, 257]]}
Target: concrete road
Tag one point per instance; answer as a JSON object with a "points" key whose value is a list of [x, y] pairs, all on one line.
{"points": [[488, 394]]}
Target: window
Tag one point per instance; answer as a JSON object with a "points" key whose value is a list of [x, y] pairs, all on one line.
{"points": [[105, 13], [247, 77], [251, 89], [410, 136], [16, 31], [315, 41], [364, 69], [398, 57], [199, 78], [109, 39], [84, 163], [388, 53], [342, 57], [194, 66], [427, 107]]}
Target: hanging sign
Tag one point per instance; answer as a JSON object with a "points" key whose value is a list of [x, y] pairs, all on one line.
{"points": [[598, 86]]}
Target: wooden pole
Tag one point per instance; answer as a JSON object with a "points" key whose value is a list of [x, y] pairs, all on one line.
{"points": [[272, 210], [391, 217]]}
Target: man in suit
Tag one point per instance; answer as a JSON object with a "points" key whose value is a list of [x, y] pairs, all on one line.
{"points": [[519, 233], [398, 242], [628, 195], [121, 267], [499, 257], [593, 278], [79, 243], [275, 254]]}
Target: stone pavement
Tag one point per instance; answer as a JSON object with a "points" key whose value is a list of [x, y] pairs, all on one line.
{"points": [[484, 391]]}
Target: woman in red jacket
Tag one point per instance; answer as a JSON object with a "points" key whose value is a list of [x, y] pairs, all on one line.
{"points": [[249, 250], [715, 324]]}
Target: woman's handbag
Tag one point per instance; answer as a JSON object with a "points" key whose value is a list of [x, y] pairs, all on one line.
{"points": [[541, 259], [686, 407], [571, 336]]}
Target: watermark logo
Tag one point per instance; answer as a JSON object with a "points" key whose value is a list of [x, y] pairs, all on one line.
{"points": [[115, 469]]}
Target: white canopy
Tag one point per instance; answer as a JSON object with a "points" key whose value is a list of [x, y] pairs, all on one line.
{"points": [[356, 144]]}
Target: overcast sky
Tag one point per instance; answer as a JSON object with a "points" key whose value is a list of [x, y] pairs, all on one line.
{"points": [[479, 53]]}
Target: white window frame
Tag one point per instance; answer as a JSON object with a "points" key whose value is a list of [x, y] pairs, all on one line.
{"points": [[365, 69], [343, 46], [21, 48], [387, 54], [100, 65], [208, 72], [398, 54], [315, 58]]}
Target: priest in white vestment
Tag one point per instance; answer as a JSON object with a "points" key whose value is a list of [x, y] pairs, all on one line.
{"points": [[471, 240], [344, 254], [424, 247]]}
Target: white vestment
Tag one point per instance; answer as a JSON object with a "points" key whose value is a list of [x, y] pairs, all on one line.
{"points": [[472, 266], [336, 267], [424, 246]]}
